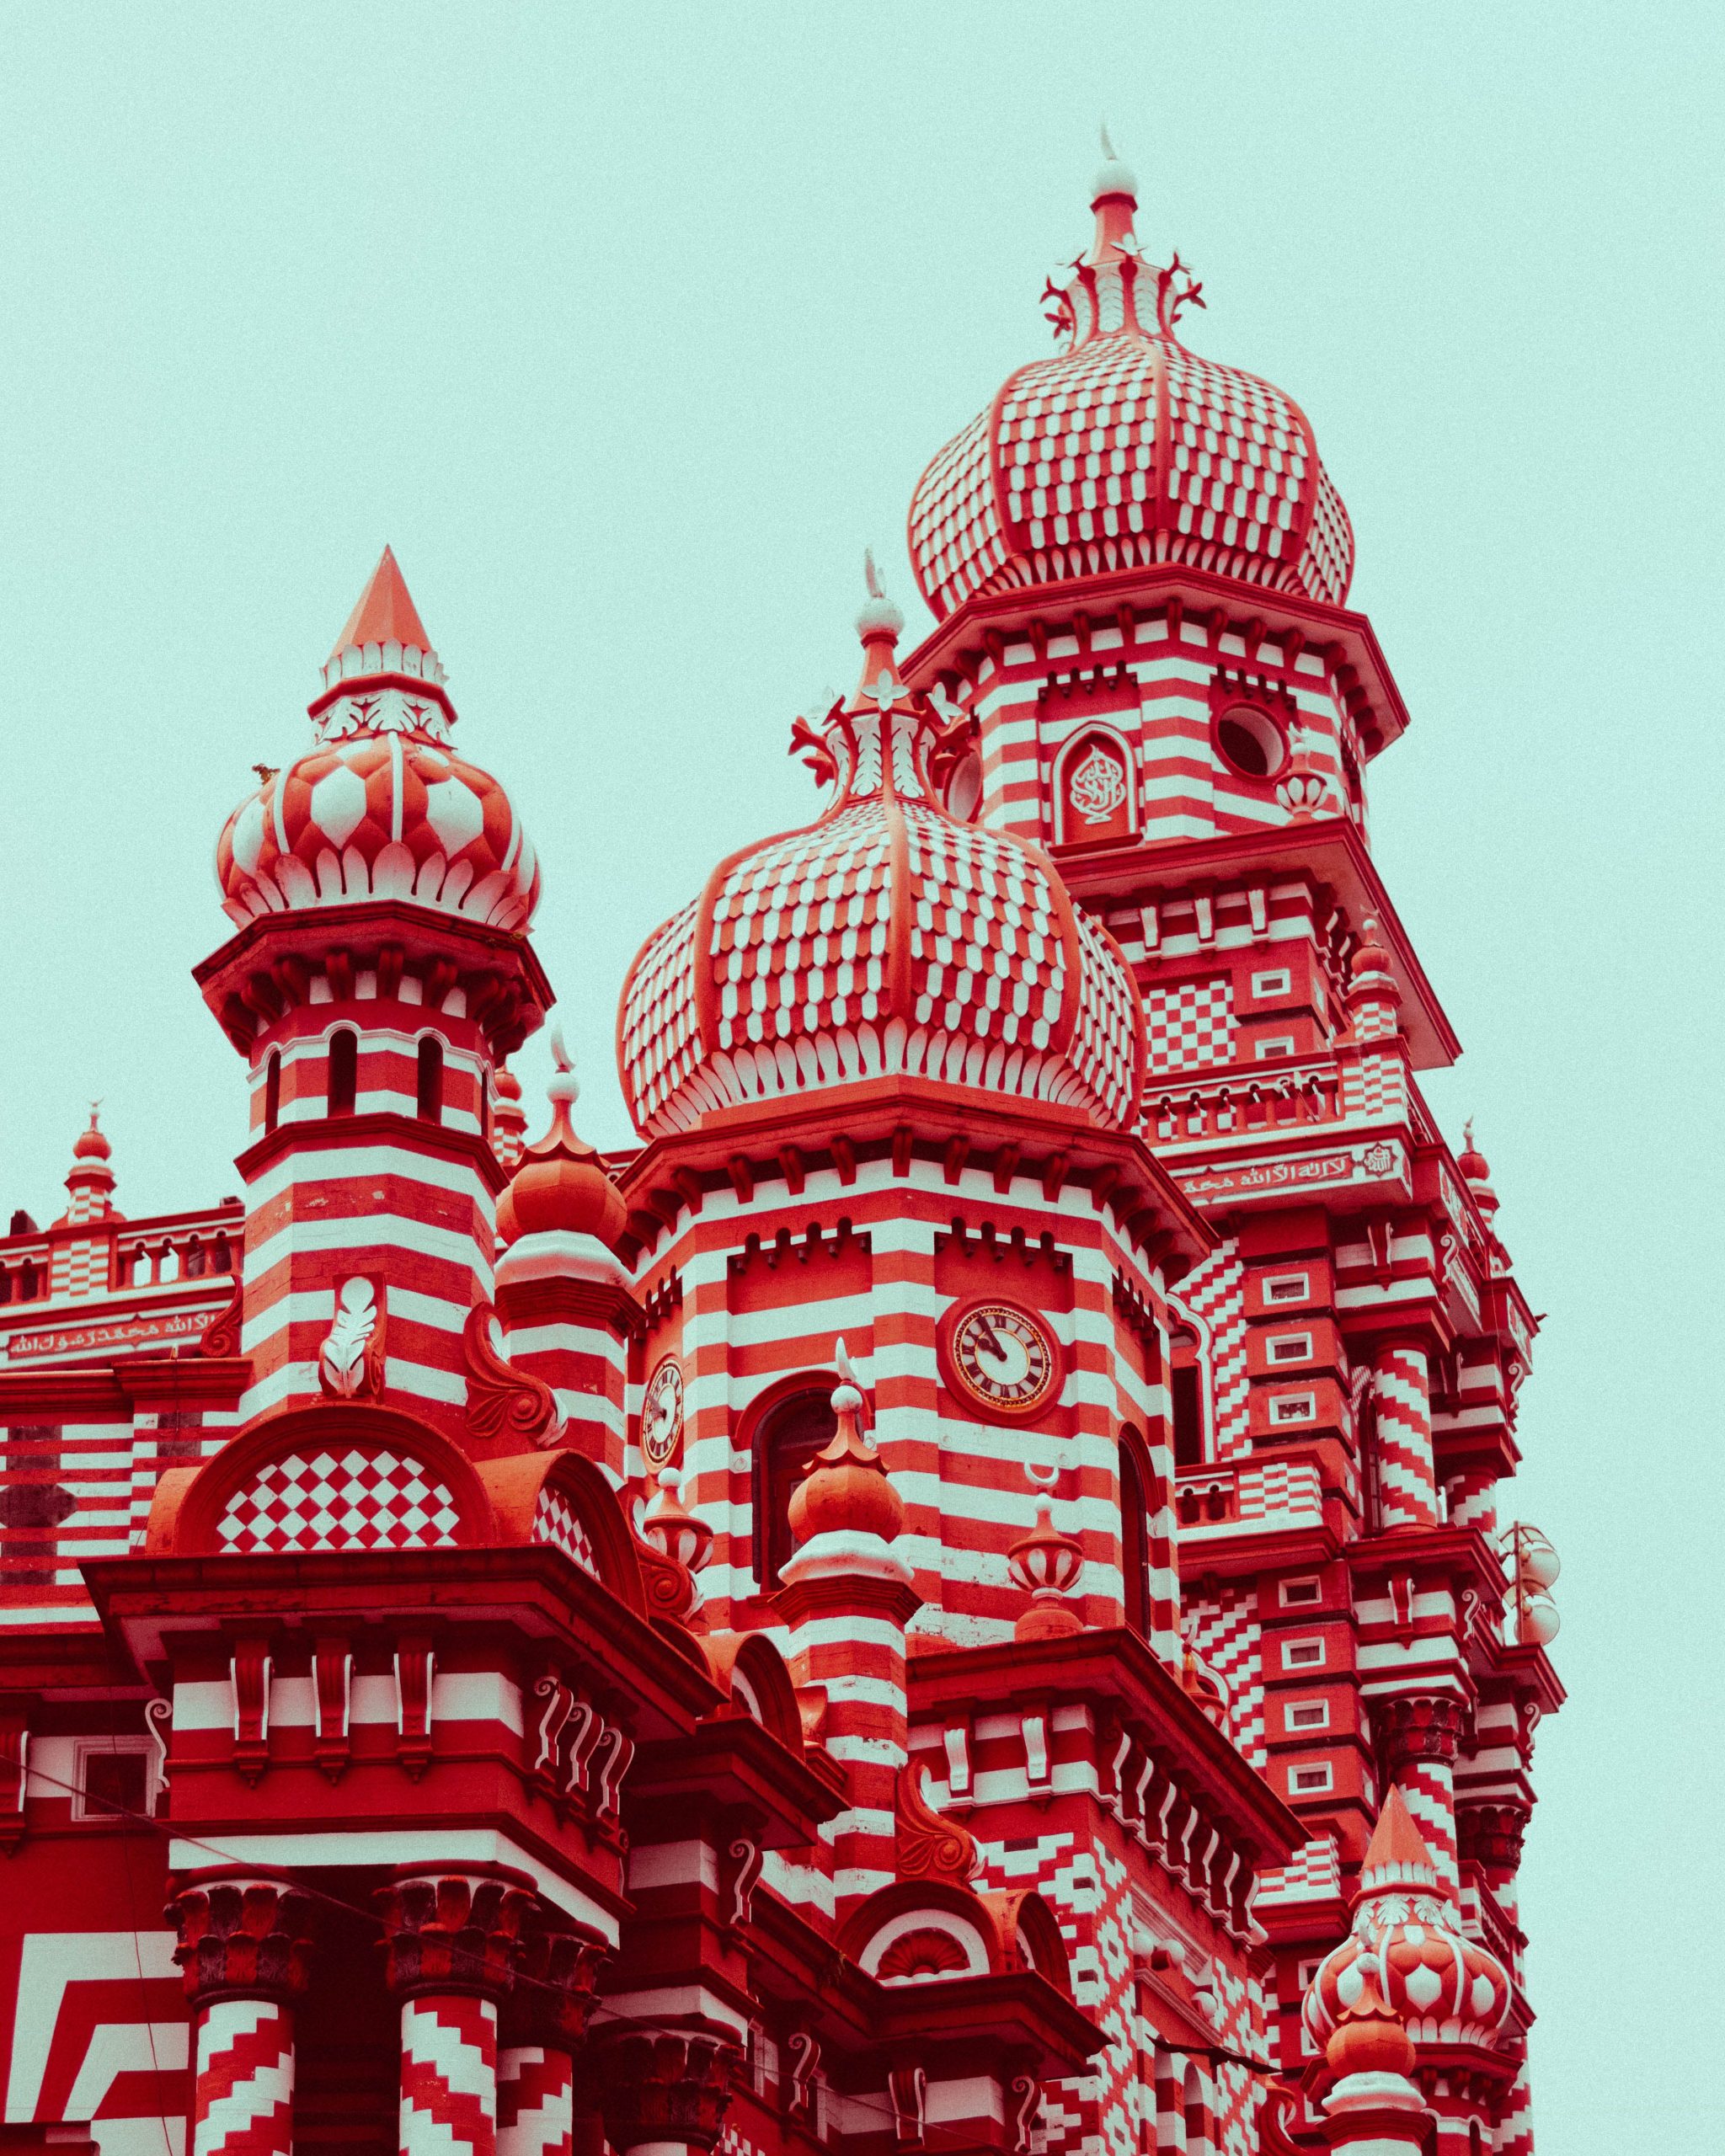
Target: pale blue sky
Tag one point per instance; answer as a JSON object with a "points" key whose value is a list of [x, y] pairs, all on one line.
{"points": [[628, 327]]}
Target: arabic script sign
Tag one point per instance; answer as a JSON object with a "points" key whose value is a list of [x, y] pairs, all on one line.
{"points": [[1299, 1171], [115, 1333]]}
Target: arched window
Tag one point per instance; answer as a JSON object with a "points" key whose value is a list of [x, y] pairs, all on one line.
{"points": [[1134, 1530], [272, 1090], [1093, 791], [1200, 2119], [343, 1071], [224, 1255], [27, 1283], [431, 1079], [786, 1438], [5, 1285], [1185, 1385], [196, 1260]]}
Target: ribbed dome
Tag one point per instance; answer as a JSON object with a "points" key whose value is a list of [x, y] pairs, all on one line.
{"points": [[380, 806], [1125, 449], [885, 937]]}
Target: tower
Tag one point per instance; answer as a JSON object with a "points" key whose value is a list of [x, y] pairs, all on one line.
{"points": [[381, 888], [1140, 567]]}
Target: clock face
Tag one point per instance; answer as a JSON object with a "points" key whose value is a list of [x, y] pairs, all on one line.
{"points": [[662, 1414], [1001, 1358]]}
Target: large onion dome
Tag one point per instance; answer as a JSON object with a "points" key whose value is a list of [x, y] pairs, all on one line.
{"points": [[1124, 449], [1407, 1943], [380, 807], [884, 937]]}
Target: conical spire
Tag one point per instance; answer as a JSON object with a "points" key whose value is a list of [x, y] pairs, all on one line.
{"points": [[384, 634], [1397, 1855]]}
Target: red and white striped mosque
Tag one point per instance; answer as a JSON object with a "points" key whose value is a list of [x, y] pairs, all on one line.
{"points": [[957, 1598]]}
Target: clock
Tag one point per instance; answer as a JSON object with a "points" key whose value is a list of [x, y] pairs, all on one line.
{"points": [[1001, 1360], [662, 1415]]}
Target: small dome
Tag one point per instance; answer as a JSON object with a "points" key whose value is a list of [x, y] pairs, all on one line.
{"points": [[380, 807], [846, 1490], [1407, 1948], [885, 937], [91, 1145], [1124, 449], [561, 1187]]}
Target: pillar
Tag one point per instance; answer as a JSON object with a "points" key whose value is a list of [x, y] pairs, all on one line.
{"points": [[1407, 1491], [544, 2022], [1372, 2107], [451, 1938], [666, 2094], [1421, 1736], [244, 1948]]}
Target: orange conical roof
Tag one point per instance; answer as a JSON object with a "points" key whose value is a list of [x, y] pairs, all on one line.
{"points": [[385, 612], [1398, 1854]]}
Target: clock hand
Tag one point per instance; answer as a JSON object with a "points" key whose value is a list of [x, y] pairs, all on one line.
{"points": [[988, 1333]]}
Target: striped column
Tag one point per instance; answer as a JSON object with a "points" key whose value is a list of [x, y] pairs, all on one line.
{"points": [[1421, 1737], [451, 1940], [536, 2093], [1473, 1502], [1407, 1492], [243, 1947], [544, 2022], [243, 2097]]}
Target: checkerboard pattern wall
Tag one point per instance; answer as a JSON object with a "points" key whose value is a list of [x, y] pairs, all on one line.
{"points": [[554, 1522], [1191, 1024], [348, 1501]]}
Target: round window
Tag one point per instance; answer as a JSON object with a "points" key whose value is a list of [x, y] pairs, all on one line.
{"points": [[1250, 741]]}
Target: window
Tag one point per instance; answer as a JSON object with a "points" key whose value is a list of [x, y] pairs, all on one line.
{"points": [[5, 1285], [1297, 1591], [1282, 1044], [344, 1080], [786, 1438], [1287, 1288], [430, 1079], [1290, 1347], [113, 1778], [1302, 1654], [1250, 741], [1294, 1407], [196, 1260], [1185, 1386], [1134, 1530], [1307, 1714], [26, 1282], [1311, 1781], [1280, 982], [272, 1090], [965, 788], [485, 1106]]}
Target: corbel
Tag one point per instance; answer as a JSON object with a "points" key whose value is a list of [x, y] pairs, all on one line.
{"points": [[844, 1159], [742, 1178], [958, 1152], [331, 1694], [790, 1161], [1006, 1167], [415, 1669]]}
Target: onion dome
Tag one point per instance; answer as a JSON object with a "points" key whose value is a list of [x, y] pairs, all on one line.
{"points": [[886, 937], [1476, 1173], [1124, 449], [90, 1180], [380, 807], [92, 1144], [561, 1187], [846, 1491], [1407, 1946]]}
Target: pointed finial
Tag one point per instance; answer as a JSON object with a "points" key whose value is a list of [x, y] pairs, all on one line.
{"points": [[563, 1087], [91, 1145], [1113, 176], [878, 617]]}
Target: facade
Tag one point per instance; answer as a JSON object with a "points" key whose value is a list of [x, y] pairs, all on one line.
{"points": [[955, 1597]]}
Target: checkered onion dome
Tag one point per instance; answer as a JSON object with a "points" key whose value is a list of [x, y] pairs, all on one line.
{"points": [[1407, 1941], [1124, 449], [885, 937], [381, 807]]}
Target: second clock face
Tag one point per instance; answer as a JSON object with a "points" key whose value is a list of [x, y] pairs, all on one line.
{"points": [[662, 1414], [1004, 1358]]}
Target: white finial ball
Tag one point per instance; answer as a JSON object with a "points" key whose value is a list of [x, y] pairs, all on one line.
{"points": [[1113, 176], [846, 1400]]}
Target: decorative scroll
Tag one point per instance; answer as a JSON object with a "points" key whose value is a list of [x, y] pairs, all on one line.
{"points": [[505, 1402], [929, 1847], [221, 1335]]}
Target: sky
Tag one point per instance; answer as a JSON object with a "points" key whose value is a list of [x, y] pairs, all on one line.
{"points": [[629, 329]]}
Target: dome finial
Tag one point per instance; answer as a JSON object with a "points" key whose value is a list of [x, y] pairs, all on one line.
{"points": [[564, 1088], [879, 624], [877, 616], [1114, 177]]}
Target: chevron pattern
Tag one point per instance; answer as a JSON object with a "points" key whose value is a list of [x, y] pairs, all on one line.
{"points": [[243, 2104], [448, 2077]]}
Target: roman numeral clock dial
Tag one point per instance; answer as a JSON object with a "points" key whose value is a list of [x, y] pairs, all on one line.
{"points": [[1002, 1359]]}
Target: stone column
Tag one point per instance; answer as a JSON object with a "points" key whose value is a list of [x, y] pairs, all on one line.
{"points": [[451, 1938], [1407, 1489], [665, 2095], [244, 1949], [544, 2022], [1421, 1737]]}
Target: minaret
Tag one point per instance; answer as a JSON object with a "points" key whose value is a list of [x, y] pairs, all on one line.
{"points": [[381, 888], [81, 1263]]}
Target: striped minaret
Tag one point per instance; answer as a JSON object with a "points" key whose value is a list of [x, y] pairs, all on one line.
{"points": [[381, 883], [82, 1264], [846, 1599], [1422, 1735]]}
